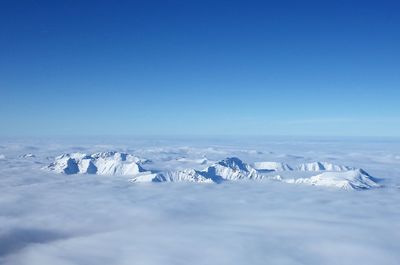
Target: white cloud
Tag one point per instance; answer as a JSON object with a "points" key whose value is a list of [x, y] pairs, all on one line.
{"points": [[79, 219]]}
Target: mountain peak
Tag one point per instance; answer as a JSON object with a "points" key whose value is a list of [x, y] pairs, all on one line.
{"points": [[107, 163]]}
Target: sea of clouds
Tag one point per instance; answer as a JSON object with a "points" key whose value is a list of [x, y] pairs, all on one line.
{"points": [[48, 218]]}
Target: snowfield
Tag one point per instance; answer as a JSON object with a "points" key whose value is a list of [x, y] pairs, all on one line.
{"points": [[199, 201]]}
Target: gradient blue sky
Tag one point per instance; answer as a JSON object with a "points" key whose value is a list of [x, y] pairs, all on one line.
{"points": [[329, 68]]}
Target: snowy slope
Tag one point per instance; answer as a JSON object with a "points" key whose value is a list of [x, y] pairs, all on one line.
{"points": [[349, 180], [322, 166], [107, 163], [187, 175], [201, 161], [271, 166], [312, 166], [232, 168], [229, 169]]}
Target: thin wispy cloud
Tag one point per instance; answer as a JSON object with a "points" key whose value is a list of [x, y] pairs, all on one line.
{"points": [[339, 120], [319, 121]]}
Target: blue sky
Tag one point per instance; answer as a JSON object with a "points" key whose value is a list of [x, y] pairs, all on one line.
{"points": [[328, 68]]}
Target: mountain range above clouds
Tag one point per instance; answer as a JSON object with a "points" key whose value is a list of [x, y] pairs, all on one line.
{"points": [[228, 169]]}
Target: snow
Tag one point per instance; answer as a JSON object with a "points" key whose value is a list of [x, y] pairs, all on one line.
{"points": [[187, 175], [201, 161], [311, 166], [52, 218], [348, 180], [231, 168], [271, 166], [145, 177], [228, 169], [321, 166], [106, 163]]}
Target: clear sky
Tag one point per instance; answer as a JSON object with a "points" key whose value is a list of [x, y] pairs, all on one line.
{"points": [[200, 68]]}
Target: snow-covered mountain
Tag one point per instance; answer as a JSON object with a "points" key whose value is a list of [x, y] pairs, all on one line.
{"points": [[106, 163], [271, 166], [187, 175], [228, 169], [313, 166], [322, 166], [356, 179], [201, 161], [231, 168]]}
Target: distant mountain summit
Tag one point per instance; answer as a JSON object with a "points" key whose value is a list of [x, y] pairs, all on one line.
{"points": [[231, 168], [322, 166], [272, 166], [106, 163], [312, 166], [356, 179]]}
